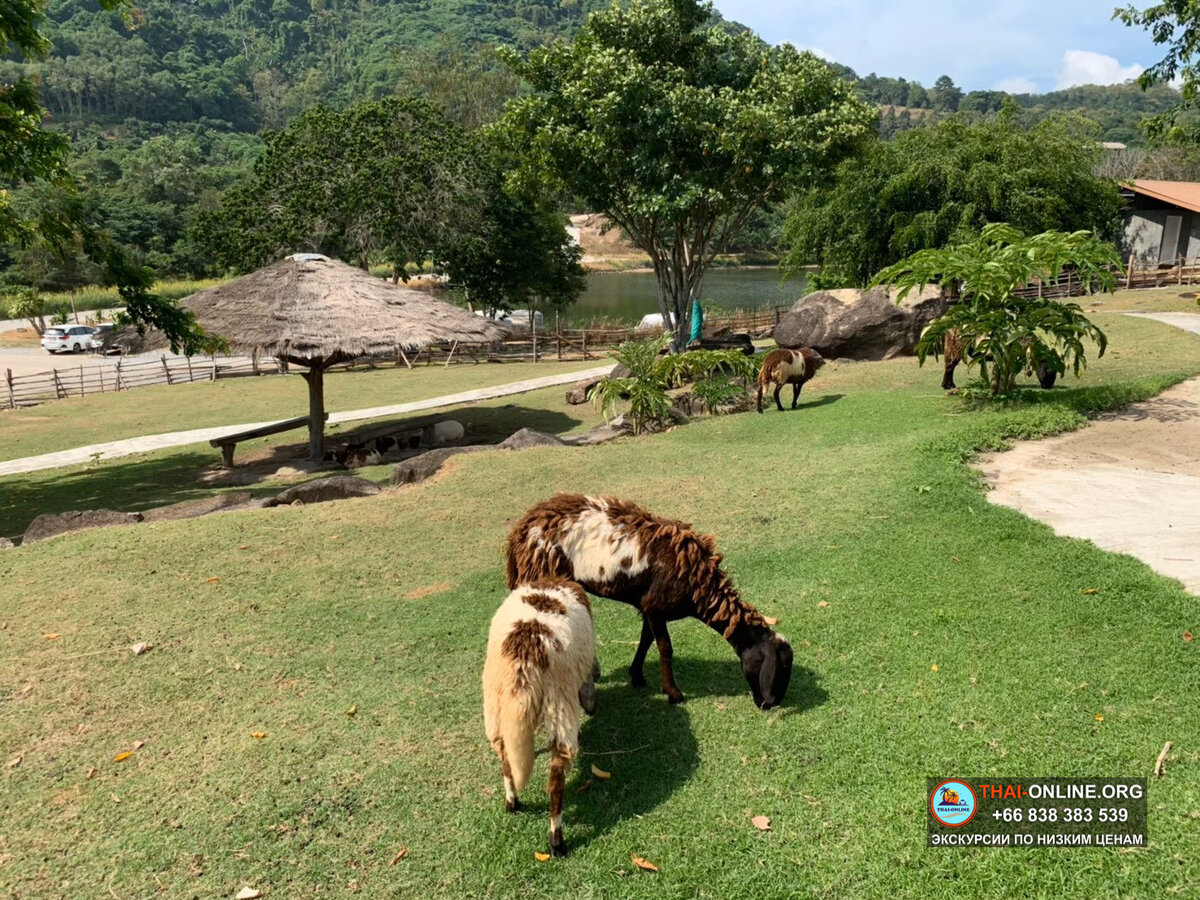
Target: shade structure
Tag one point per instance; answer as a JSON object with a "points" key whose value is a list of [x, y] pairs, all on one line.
{"points": [[317, 312]]}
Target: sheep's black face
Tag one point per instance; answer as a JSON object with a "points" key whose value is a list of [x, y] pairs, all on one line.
{"points": [[768, 670]]}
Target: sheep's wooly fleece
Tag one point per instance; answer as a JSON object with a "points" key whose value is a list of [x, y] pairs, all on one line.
{"points": [[309, 308]]}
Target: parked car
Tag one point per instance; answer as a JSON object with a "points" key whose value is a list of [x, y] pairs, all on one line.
{"points": [[68, 337]]}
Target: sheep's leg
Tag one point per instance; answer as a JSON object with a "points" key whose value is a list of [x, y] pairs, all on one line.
{"points": [[760, 393], [511, 801], [560, 763], [778, 388], [796, 392], [637, 677], [665, 657]]}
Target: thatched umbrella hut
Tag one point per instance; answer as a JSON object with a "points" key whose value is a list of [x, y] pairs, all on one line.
{"points": [[316, 312]]}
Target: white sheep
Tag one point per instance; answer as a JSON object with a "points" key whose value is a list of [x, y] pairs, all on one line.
{"points": [[540, 669]]}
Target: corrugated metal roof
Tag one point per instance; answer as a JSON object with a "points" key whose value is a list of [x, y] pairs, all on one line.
{"points": [[1184, 194]]}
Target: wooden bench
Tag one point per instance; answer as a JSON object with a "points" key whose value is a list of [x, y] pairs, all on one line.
{"points": [[230, 441]]}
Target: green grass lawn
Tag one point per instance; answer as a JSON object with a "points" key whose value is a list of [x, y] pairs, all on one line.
{"points": [[77, 421], [1169, 299], [281, 621]]}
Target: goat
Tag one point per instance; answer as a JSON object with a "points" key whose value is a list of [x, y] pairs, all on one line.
{"points": [[794, 367], [954, 349], [618, 550], [540, 669]]}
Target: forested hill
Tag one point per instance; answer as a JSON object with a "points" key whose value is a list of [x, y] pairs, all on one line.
{"points": [[240, 64]]}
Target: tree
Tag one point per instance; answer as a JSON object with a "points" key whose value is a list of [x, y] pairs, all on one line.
{"points": [[26, 303], [679, 131], [390, 179], [1175, 23], [993, 324], [940, 184], [945, 95], [469, 86]]}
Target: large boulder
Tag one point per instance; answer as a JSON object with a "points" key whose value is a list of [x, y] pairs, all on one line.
{"points": [[527, 437], [53, 524], [579, 391], [859, 324], [336, 487], [191, 509], [410, 471]]}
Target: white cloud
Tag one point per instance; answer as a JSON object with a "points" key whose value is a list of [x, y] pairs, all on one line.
{"points": [[1086, 67], [1017, 86]]}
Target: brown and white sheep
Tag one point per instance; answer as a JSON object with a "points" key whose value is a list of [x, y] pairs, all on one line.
{"points": [[666, 570], [540, 671], [794, 367]]}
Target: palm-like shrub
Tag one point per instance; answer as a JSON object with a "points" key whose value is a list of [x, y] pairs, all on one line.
{"points": [[1016, 334]]}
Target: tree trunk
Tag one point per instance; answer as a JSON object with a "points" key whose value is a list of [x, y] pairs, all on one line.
{"points": [[315, 377], [678, 287]]}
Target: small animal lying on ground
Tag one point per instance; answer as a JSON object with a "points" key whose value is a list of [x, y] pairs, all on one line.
{"points": [[376, 450], [616, 549], [794, 367], [540, 671]]}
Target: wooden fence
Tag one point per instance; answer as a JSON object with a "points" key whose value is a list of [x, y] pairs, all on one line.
{"points": [[127, 373]]}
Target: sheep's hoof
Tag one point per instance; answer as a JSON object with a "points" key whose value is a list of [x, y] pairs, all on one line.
{"points": [[637, 679], [513, 805], [675, 697], [558, 847]]}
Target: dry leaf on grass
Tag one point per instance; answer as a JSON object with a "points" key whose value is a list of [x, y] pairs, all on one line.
{"points": [[15, 761], [822, 604], [51, 636], [1092, 591], [138, 745], [643, 864], [91, 772], [771, 620], [121, 757], [212, 580], [583, 787], [1187, 636], [352, 711], [600, 773], [1099, 717], [935, 668], [248, 893], [258, 734], [399, 856], [762, 823], [140, 648], [541, 857], [244, 547]]}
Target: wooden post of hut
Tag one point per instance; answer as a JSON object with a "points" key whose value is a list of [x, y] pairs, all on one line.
{"points": [[1129, 273]]}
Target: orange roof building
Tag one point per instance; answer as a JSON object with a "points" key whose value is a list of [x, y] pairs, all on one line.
{"points": [[1162, 221]]}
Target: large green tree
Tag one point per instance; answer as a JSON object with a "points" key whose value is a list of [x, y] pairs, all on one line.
{"points": [[941, 184], [389, 180], [1176, 25], [679, 130]]}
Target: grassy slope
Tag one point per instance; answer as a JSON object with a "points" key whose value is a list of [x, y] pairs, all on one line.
{"points": [[1149, 300], [860, 500], [111, 417]]}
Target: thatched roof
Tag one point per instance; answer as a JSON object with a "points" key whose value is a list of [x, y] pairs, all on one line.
{"points": [[309, 308]]}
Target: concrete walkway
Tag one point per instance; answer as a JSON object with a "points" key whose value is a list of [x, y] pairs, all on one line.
{"points": [[1129, 482], [153, 442]]}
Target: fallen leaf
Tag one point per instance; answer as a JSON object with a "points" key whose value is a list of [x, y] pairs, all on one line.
{"points": [[244, 547], [771, 620], [762, 823], [248, 893], [643, 864], [258, 734], [15, 761], [352, 711], [138, 745], [822, 604], [1187, 636], [935, 668], [212, 580], [121, 757], [541, 857], [1099, 717], [140, 648], [114, 798], [1092, 591], [91, 773], [956, 559], [399, 856], [583, 787], [52, 636], [600, 773], [334, 537]]}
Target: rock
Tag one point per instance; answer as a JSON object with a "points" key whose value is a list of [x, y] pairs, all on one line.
{"points": [[421, 467], [190, 509], [580, 390], [52, 525], [336, 487], [527, 437], [863, 325], [6, 544], [601, 434], [620, 370]]}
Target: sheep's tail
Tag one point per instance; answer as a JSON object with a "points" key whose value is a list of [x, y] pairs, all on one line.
{"points": [[517, 732]]}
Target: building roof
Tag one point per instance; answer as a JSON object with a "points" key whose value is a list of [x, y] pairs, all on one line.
{"points": [[1184, 194]]}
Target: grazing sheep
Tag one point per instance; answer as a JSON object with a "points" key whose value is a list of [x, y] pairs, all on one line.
{"points": [[794, 367], [540, 669], [954, 350], [618, 550]]}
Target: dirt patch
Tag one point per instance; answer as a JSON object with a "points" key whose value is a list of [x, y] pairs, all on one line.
{"points": [[1130, 482], [427, 590]]}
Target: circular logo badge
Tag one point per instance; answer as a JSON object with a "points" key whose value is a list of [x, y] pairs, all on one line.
{"points": [[953, 803]]}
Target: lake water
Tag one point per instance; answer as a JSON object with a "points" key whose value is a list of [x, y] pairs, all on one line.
{"points": [[627, 296]]}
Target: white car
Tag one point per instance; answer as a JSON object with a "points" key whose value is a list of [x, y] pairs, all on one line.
{"points": [[68, 337]]}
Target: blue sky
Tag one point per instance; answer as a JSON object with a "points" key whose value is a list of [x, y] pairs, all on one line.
{"points": [[1014, 45]]}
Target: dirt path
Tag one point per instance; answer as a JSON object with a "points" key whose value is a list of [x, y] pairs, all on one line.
{"points": [[1129, 482], [183, 438]]}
